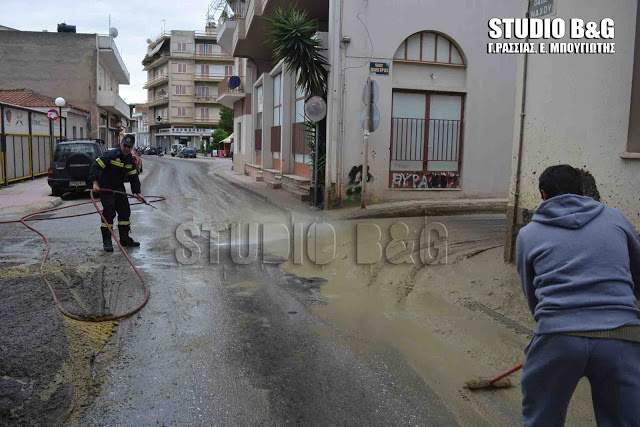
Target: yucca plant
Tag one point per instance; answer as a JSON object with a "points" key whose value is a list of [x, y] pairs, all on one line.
{"points": [[293, 36]]}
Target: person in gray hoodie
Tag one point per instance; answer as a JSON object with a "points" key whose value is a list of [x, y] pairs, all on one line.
{"points": [[579, 263]]}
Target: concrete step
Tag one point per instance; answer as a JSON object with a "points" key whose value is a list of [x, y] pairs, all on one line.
{"points": [[271, 174], [295, 189], [273, 184], [303, 196], [295, 181], [253, 170]]}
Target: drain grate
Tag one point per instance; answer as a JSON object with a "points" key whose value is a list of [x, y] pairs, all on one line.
{"points": [[514, 326]]}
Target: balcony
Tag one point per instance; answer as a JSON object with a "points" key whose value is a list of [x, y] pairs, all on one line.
{"points": [[163, 99], [163, 78], [160, 120], [159, 60], [228, 96], [206, 35], [205, 99], [110, 58], [208, 77], [206, 120], [212, 56], [112, 102]]}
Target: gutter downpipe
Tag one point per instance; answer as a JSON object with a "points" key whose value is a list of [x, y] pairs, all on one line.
{"points": [[512, 217]]}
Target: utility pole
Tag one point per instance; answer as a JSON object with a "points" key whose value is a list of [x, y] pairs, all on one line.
{"points": [[365, 151]]}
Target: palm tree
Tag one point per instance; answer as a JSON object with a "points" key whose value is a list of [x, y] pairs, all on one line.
{"points": [[293, 36]]}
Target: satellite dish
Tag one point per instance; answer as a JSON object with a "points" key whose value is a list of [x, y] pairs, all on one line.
{"points": [[315, 108], [234, 82], [148, 41], [113, 32]]}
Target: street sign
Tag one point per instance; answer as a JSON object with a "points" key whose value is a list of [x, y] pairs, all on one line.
{"points": [[376, 92], [374, 119], [540, 8], [234, 82], [379, 68], [53, 114]]}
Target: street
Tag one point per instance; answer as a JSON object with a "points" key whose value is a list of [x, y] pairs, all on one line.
{"points": [[289, 343]]}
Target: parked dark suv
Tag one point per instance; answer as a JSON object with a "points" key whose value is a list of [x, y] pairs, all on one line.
{"points": [[72, 160]]}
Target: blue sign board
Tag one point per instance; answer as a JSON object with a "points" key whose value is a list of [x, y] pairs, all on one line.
{"points": [[379, 68]]}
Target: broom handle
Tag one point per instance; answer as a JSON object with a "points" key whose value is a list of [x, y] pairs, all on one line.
{"points": [[509, 372]]}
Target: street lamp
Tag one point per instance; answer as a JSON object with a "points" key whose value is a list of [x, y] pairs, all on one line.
{"points": [[60, 102]]}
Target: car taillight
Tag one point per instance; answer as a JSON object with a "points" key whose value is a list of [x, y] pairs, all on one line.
{"points": [[50, 173]]}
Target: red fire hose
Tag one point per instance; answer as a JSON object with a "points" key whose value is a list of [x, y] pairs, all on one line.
{"points": [[84, 318]]}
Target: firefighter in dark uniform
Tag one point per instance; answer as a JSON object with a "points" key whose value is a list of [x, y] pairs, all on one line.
{"points": [[110, 171]]}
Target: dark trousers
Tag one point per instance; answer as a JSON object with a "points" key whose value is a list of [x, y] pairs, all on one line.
{"points": [[555, 363], [112, 203]]}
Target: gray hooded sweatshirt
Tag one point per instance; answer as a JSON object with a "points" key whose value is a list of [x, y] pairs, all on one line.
{"points": [[579, 262]]}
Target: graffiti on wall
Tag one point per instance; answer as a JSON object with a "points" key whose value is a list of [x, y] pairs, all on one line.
{"points": [[426, 180], [355, 182]]}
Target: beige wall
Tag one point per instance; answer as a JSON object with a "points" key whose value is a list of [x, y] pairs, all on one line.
{"points": [[488, 80], [578, 112]]}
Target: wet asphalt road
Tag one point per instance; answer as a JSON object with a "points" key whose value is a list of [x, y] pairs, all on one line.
{"points": [[227, 344]]}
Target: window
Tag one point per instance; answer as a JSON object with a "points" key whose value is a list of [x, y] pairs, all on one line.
{"points": [[204, 113], [182, 111], [81, 132], [228, 70], [181, 47], [277, 100], [182, 67], [259, 110], [73, 131], [426, 140], [429, 47], [181, 90], [202, 91], [204, 69]]}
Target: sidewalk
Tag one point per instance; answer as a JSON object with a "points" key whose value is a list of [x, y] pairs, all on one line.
{"points": [[286, 201], [27, 196]]}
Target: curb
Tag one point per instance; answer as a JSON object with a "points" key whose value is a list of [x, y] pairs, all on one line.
{"points": [[431, 210], [34, 207]]}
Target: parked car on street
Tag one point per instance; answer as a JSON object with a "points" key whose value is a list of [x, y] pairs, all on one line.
{"points": [[151, 151], [72, 160], [188, 152]]}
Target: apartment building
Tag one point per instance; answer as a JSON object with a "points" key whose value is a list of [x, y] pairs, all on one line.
{"points": [[582, 110], [85, 69], [140, 125], [184, 69], [436, 139]]}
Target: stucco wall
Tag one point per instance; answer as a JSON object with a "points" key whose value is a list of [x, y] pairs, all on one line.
{"points": [[54, 64], [489, 84], [577, 111]]}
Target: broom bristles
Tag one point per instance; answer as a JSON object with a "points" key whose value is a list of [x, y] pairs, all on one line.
{"points": [[485, 383]]}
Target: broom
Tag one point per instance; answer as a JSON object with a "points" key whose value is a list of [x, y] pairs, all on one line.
{"points": [[501, 381]]}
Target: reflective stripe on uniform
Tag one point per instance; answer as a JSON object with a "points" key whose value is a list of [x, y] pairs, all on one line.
{"points": [[106, 225], [124, 222], [116, 163], [133, 172], [101, 163], [128, 166]]}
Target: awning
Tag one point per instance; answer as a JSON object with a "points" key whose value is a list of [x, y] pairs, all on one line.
{"points": [[157, 48], [228, 140]]}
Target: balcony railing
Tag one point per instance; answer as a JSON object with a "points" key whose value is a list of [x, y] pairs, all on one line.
{"points": [[162, 99], [205, 98], [223, 86], [204, 120], [212, 55], [160, 120], [156, 80], [208, 77], [205, 34]]}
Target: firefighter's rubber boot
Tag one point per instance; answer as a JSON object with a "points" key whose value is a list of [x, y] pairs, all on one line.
{"points": [[106, 239], [127, 241]]}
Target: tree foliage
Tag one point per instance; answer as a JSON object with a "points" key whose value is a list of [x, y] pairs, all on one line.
{"points": [[220, 135], [293, 36], [226, 120]]}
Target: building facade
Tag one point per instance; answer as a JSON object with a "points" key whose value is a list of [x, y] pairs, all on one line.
{"points": [[85, 69], [582, 110], [436, 137], [184, 70], [140, 125]]}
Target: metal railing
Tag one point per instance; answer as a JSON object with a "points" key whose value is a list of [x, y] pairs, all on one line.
{"points": [[156, 80], [205, 33], [159, 100], [209, 76], [203, 119], [223, 86], [198, 54], [440, 138], [205, 98]]}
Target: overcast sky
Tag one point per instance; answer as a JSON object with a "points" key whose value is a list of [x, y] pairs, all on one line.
{"points": [[136, 20]]}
